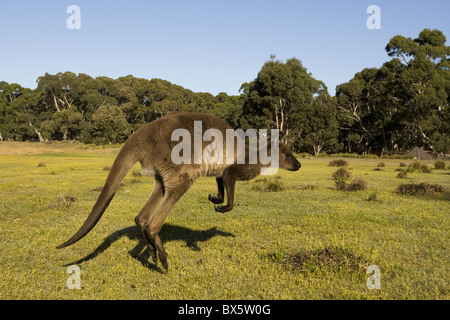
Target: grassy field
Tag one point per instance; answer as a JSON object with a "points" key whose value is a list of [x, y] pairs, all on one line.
{"points": [[308, 241]]}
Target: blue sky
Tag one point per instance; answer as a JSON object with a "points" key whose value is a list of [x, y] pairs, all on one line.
{"points": [[206, 46]]}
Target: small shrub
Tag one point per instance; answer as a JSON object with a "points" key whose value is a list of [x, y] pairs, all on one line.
{"points": [[403, 165], [304, 155], [418, 166], [373, 196], [137, 173], [340, 185], [439, 164], [333, 259], [420, 189], [338, 163], [357, 184], [309, 186], [42, 164], [402, 174], [274, 184], [378, 169], [341, 174], [415, 166], [381, 164], [63, 202]]}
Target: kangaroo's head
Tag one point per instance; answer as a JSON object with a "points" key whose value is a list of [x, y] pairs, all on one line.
{"points": [[287, 160]]}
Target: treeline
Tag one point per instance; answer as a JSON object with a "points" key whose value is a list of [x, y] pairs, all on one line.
{"points": [[101, 110], [394, 108]]}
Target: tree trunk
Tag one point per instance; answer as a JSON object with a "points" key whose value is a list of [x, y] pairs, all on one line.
{"points": [[41, 139], [56, 104], [317, 149]]}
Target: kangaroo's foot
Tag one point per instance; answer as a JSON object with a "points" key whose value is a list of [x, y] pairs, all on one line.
{"points": [[223, 208], [151, 246], [215, 199]]}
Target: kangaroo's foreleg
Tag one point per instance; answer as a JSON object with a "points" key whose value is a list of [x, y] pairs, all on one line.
{"points": [[220, 193], [229, 182]]}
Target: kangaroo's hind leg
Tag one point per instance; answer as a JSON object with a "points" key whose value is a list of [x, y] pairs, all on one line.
{"points": [[143, 217], [156, 220]]}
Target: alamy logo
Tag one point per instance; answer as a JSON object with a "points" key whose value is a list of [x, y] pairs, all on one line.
{"points": [[74, 281], [74, 20], [374, 20], [374, 280], [213, 153]]}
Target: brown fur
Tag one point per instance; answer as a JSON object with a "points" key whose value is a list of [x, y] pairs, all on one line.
{"points": [[152, 146]]}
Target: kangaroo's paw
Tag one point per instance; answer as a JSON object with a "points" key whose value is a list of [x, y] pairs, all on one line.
{"points": [[163, 259], [222, 208], [214, 199]]}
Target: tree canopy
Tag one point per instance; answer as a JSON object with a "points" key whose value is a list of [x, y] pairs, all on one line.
{"points": [[400, 105]]}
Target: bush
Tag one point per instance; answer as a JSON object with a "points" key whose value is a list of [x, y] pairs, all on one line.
{"points": [[338, 163], [373, 196], [415, 166], [329, 258], [269, 185], [110, 125], [63, 202], [421, 189], [340, 185], [402, 174], [439, 164], [137, 173], [381, 164], [341, 174], [418, 166], [355, 185], [308, 186], [402, 165]]}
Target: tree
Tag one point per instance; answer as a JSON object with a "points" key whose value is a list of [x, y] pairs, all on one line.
{"points": [[279, 91], [321, 129], [110, 125], [30, 113], [423, 89], [363, 112], [403, 104], [8, 119], [64, 125]]}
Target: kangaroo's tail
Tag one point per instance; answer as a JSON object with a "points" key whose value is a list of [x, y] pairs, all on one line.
{"points": [[123, 163]]}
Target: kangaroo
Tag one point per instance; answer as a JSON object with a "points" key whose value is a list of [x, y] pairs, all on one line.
{"points": [[152, 146]]}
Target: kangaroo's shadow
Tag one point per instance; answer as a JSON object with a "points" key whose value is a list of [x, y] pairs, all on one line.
{"points": [[168, 233]]}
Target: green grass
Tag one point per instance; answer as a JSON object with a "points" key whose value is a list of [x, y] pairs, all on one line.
{"points": [[243, 254]]}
